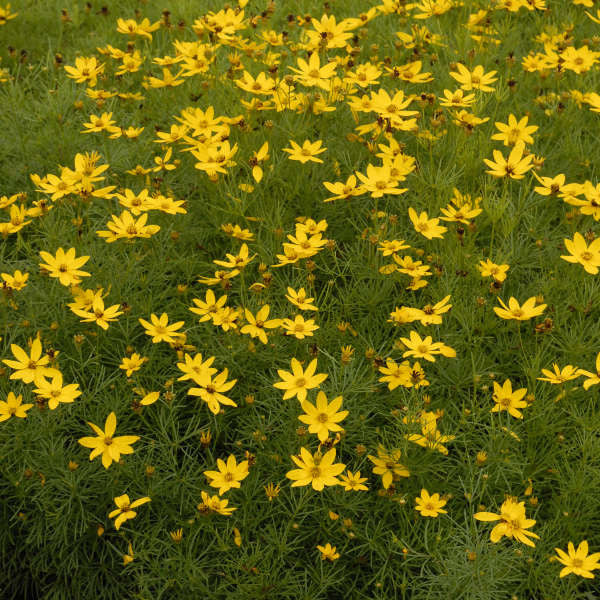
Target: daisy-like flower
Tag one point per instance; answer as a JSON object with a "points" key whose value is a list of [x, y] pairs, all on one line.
{"points": [[208, 307], [30, 367], [378, 181], [299, 381], [578, 561], [195, 368], [506, 399], [592, 378], [236, 261], [328, 552], [513, 522], [387, 465], [425, 226], [214, 504], [305, 153], [105, 444], [456, 99], [430, 505], [580, 252], [64, 266], [515, 166], [300, 299], [353, 481], [132, 363], [343, 191], [489, 269], [17, 281], [257, 324], [523, 312], [125, 511], [476, 79], [323, 417], [319, 471], [212, 391], [160, 330], [55, 392], [229, 475], [98, 313], [425, 348], [515, 131], [311, 73], [430, 436], [298, 327], [559, 376], [13, 407]]}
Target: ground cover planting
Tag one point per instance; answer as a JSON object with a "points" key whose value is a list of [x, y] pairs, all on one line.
{"points": [[300, 299]]}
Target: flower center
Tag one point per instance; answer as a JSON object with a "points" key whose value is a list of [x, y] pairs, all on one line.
{"points": [[323, 418]]}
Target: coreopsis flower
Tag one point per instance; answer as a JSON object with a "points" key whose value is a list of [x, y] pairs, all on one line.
{"points": [[236, 261], [132, 28], [13, 407], [215, 504], [430, 505], [343, 191], [263, 84], [98, 313], [328, 552], [456, 99], [257, 324], [17, 281], [318, 470], [272, 491], [126, 227], [379, 181], [578, 561], [353, 481], [425, 347], [160, 330], [96, 124], [64, 266], [430, 436], [559, 376], [387, 465], [208, 307], [580, 252], [506, 399], [305, 153], [125, 511], [311, 73], [132, 363], [212, 391], [258, 157], [54, 391], [390, 247], [86, 69], [195, 368], [105, 444], [592, 378], [323, 417], [489, 269], [229, 475], [474, 80], [30, 367], [299, 327], [513, 522], [515, 131], [427, 227], [299, 381], [523, 312], [300, 299], [515, 166]]}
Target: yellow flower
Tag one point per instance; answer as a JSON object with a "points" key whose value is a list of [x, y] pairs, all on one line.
{"points": [[323, 417], [300, 299], [319, 471], [426, 226], [515, 166], [430, 506], [229, 474], [513, 522], [132, 363], [30, 367], [256, 325], [307, 152], [215, 504], [580, 252], [299, 328], [55, 392], [515, 131], [559, 376], [506, 399], [64, 266], [578, 562], [160, 330], [212, 390], [328, 552], [474, 80], [106, 445], [489, 269], [353, 481], [523, 312], [125, 508], [593, 378], [13, 407], [387, 465], [311, 73], [299, 381]]}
